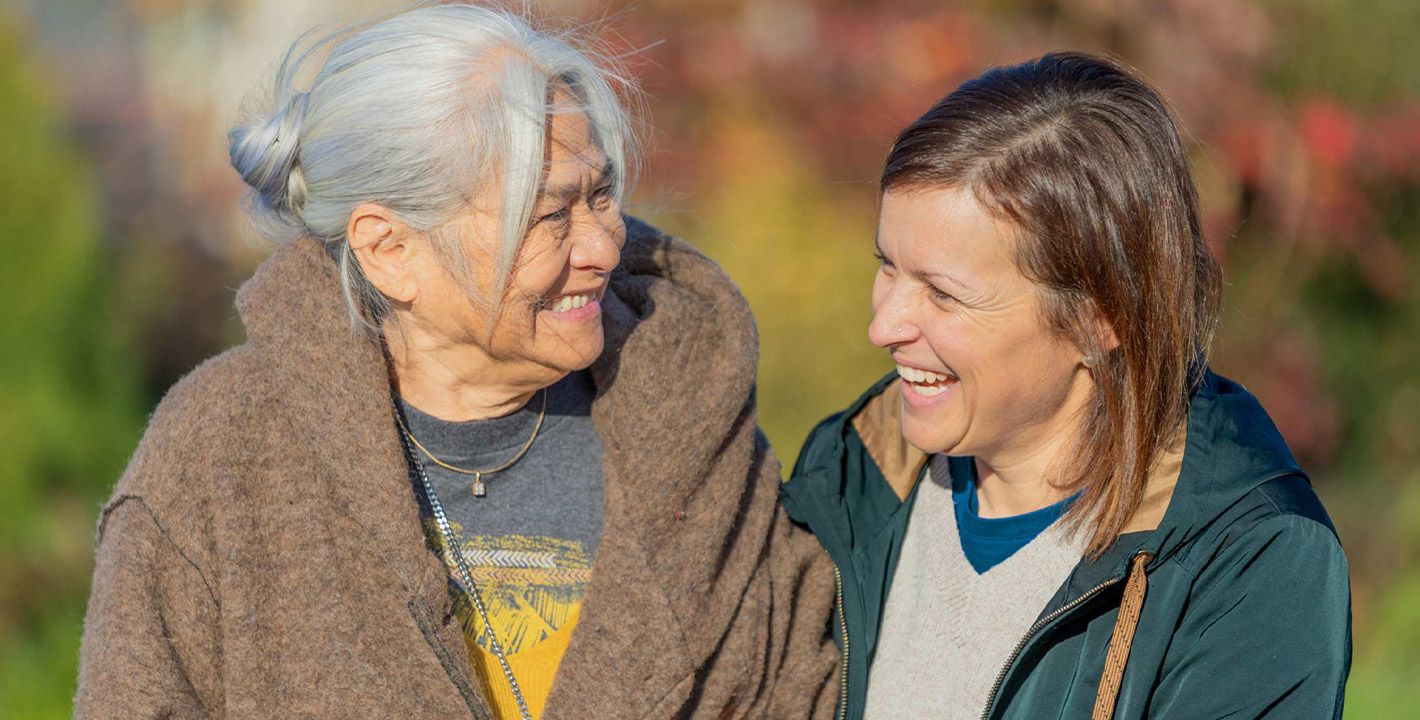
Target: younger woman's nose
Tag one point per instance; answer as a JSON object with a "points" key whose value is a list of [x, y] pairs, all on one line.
{"points": [[890, 328]]}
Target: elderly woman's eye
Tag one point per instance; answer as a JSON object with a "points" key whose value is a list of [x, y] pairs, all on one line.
{"points": [[941, 297], [601, 198], [556, 217]]}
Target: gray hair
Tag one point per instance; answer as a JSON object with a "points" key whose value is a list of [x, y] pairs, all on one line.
{"points": [[416, 111]]}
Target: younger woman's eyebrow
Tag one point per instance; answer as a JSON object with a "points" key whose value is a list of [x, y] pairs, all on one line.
{"points": [[943, 275], [924, 274]]}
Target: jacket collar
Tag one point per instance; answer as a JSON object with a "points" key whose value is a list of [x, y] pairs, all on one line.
{"points": [[1230, 447], [879, 424]]}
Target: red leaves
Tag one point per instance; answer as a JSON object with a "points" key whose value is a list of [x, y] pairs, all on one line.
{"points": [[1329, 132]]}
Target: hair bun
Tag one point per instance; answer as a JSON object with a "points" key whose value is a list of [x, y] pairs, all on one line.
{"points": [[265, 154]]}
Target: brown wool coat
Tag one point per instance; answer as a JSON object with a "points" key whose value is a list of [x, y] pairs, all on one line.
{"points": [[263, 556]]}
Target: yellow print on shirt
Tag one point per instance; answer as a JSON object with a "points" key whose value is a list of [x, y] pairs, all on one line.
{"points": [[533, 588]]}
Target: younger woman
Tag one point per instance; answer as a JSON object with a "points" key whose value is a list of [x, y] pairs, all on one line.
{"points": [[1054, 509]]}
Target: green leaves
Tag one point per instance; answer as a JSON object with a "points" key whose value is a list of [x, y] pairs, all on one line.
{"points": [[69, 391]]}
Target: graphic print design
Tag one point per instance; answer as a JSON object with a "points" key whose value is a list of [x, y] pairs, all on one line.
{"points": [[532, 587]]}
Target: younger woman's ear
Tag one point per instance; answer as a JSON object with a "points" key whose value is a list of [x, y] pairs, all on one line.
{"points": [[380, 243], [1102, 332]]}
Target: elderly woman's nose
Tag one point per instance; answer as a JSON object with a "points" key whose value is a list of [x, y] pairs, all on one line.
{"points": [[596, 247]]}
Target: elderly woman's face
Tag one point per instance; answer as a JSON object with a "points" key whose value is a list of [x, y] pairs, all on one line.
{"points": [[549, 321], [982, 373]]}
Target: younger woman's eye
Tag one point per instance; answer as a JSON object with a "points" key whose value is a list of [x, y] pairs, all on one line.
{"points": [[884, 266]]}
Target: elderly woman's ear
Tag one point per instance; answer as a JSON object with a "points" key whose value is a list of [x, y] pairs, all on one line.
{"points": [[380, 243]]}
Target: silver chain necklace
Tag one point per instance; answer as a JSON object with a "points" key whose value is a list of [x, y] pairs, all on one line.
{"points": [[451, 546]]}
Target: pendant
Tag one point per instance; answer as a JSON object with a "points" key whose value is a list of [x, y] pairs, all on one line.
{"points": [[478, 489]]}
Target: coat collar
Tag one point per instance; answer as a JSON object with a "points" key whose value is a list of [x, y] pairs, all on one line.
{"points": [[336, 397]]}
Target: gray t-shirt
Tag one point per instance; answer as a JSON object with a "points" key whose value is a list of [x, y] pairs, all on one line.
{"points": [[530, 541]]}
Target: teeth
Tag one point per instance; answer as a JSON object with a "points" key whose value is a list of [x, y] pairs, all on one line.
{"points": [[915, 375], [929, 390], [570, 302]]}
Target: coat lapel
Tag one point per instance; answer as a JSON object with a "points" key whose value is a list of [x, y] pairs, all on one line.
{"points": [[628, 651], [686, 519]]}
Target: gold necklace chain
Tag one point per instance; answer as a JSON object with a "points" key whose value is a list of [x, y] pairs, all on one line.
{"points": [[479, 489]]}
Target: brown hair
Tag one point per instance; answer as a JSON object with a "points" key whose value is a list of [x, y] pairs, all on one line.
{"points": [[1085, 159]]}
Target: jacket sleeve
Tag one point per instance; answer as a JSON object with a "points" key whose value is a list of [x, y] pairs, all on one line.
{"points": [[148, 646], [1268, 632]]}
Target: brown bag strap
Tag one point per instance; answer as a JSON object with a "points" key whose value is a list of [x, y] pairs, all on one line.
{"points": [[1123, 638]]}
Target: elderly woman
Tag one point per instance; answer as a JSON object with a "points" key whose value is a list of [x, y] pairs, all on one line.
{"points": [[1054, 509], [528, 484]]}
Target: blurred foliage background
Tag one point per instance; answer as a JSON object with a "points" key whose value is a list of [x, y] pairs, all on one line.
{"points": [[766, 123]]}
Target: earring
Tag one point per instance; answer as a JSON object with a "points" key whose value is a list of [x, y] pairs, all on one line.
{"points": [[1088, 361]]}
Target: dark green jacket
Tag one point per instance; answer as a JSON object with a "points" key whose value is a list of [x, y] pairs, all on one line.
{"points": [[1247, 611]]}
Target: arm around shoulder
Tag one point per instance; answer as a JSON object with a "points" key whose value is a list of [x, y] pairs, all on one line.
{"points": [[150, 633]]}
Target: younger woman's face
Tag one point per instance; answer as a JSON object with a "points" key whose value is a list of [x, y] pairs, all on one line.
{"points": [[982, 373]]}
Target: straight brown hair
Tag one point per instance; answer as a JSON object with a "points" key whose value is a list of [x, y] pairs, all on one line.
{"points": [[1084, 158]]}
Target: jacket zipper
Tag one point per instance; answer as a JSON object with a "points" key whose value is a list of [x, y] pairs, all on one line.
{"points": [[843, 628], [1011, 660]]}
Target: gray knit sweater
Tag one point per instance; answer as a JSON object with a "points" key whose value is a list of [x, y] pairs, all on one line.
{"points": [[947, 630]]}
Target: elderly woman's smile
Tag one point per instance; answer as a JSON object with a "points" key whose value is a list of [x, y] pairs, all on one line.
{"points": [[564, 307]]}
